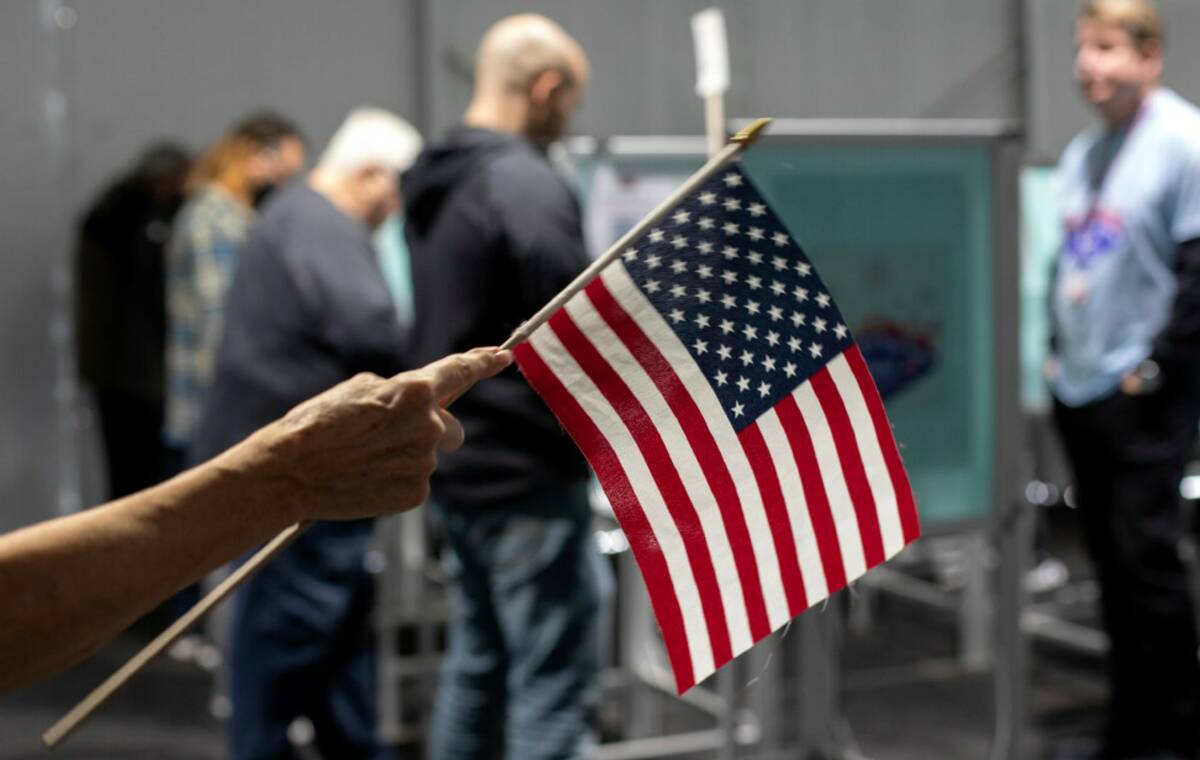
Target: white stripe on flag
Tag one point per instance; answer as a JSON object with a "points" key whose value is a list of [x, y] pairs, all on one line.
{"points": [[878, 476], [816, 587], [845, 519], [608, 421], [683, 458], [619, 283]]}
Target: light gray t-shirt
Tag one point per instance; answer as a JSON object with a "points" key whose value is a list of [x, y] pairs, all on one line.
{"points": [[1122, 226]]}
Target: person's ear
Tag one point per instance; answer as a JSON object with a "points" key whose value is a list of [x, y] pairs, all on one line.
{"points": [[545, 86], [1152, 55]]}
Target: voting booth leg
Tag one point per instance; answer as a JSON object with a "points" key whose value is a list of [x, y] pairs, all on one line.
{"points": [[975, 613], [1014, 539], [819, 635]]}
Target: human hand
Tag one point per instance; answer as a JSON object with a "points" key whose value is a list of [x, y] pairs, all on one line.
{"points": [[367, 447], [1144, 379], [1132, 384], [1051, 368]]}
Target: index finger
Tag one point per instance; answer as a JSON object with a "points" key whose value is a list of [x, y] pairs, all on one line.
{"points": [[455, 374]]}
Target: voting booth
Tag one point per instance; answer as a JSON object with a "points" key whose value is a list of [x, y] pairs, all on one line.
{"points": [[914, 226]]}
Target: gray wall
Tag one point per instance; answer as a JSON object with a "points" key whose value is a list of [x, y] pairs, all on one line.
{"points": [[828, 58], [30, 242]]}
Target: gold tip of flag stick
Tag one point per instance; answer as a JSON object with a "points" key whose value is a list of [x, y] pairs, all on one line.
{"points": [[749, 133]]}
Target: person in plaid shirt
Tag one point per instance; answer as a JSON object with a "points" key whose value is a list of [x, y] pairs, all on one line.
{"points": [[235, 175]]}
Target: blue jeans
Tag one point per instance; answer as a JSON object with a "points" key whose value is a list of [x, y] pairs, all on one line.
{"points": [[302, 645], [529, 595]]}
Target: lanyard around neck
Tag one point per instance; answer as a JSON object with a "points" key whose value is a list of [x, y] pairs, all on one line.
{"points": [[1097, 183]]}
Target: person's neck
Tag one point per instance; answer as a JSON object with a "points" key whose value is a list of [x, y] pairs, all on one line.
{"points": [[333, 188], [496, 114], [1120, 117], [237, 189]]}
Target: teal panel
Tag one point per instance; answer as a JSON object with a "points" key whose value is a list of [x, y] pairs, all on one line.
{"points": [[392, 251], [1040, 238], [903, 237]]}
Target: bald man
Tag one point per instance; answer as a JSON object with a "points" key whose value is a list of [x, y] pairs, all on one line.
{"points": [[494, 234]]}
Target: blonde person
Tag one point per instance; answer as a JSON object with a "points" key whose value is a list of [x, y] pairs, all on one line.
{"points": [[1125, 370], [228, 183]]}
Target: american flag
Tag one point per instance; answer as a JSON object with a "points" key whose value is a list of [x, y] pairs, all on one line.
{"points": [[715, 389]]}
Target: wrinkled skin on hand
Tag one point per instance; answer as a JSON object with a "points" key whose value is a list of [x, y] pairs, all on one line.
{"points": [[368, 446]]}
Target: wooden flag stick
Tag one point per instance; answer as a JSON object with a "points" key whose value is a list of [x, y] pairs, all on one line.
{"points": [[80, 712], [738, 143]]}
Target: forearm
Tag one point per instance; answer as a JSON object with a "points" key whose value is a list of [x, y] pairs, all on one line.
{"points": [[1180, 337], [72, 584]]}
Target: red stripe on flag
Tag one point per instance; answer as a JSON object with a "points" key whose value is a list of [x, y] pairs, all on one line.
{"points": [[852, 466], [910, 523], [658, 459], [777, 516], [800, 440], [708, 454], [637, 529]]}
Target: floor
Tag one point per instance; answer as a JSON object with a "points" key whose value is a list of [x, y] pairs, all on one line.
{"points": [[905, 699]]}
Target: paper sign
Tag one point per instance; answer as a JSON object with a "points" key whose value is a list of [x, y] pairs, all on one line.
{"points": [[712, 52]]}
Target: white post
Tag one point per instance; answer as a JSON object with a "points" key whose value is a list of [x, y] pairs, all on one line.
{"points": [[712, 72]]}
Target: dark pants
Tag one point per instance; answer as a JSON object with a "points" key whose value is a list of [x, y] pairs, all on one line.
{"points": [[132, 429], [521, 675], [1128, 454], [302, 646]]}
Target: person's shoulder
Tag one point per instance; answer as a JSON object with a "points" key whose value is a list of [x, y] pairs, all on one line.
{"points": [[1178, 122], [521, 174], [520, 161], [293, 201], [210, 210], [1075, 152]]}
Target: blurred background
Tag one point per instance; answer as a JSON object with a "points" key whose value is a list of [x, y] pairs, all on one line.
{"points": [[936, 122]]}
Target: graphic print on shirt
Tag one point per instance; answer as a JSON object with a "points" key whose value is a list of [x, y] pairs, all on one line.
{"points": [[1092, 237]]}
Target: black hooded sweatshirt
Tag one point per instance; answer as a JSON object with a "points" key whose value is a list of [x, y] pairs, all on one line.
{"points": [[494, 233]]}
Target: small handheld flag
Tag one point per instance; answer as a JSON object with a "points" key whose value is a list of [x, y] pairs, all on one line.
{"points": [[715, 389]]}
